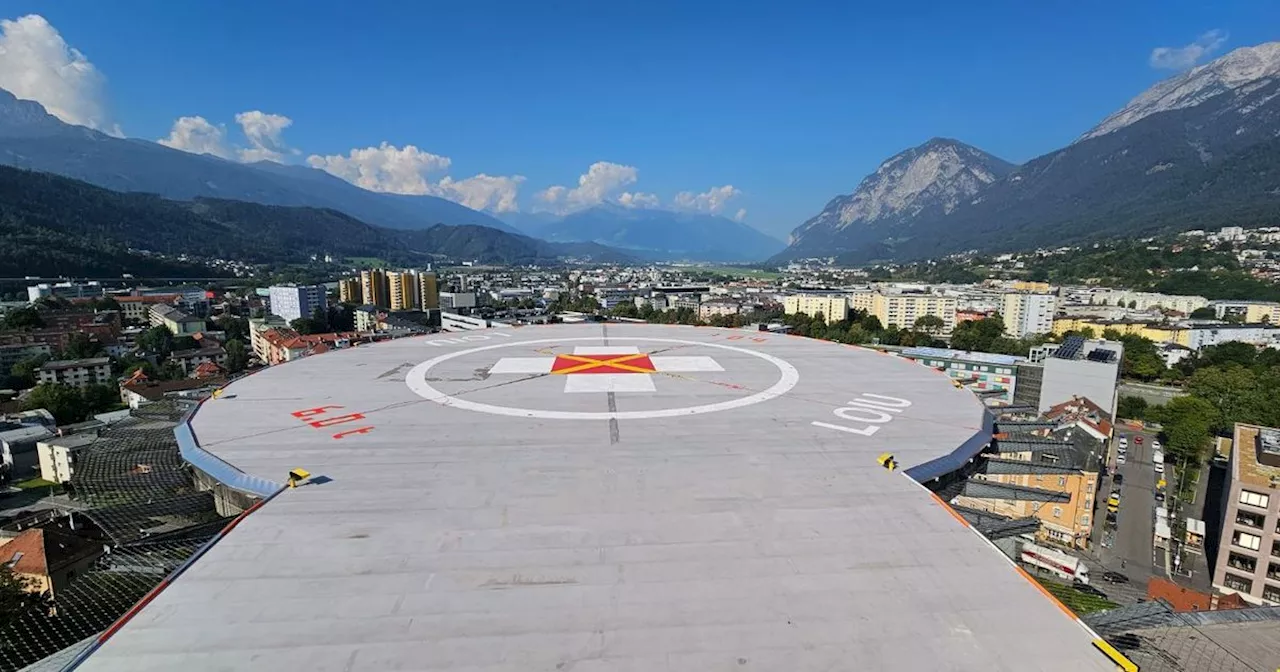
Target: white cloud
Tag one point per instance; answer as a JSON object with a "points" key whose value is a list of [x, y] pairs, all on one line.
{"points": [[740, 215], [595, 186], [387, 168], [712, 200], [481, 192], [37, 64], [1181, 58], [264, 133], [198, 136], [638, 199]]}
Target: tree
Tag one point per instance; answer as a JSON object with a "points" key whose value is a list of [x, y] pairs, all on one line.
{"points": [[234, 326], [23, 318], [979, 335], [930, 324], [100, 398], [1187, 425], [64, 402], [1088, 333], [1111, 334], [14, 596], [1141, 358], [320, 319], [81, 346], [1234, 352], [156, 340], [871, 324], [237, 356], [304, 326], [1205, 313], [1132, 408], [24, 372]]}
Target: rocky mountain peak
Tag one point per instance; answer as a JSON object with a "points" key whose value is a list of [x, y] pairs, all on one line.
{"points": [[1237, 73], [939, 174]]}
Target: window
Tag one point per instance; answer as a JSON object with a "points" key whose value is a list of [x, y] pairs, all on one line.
{"points": [[1062, 481], [1250, 519], [1271, 593], [1057, 512], [1084, 520], [1238, 583], [1273, 572], [1243, 563], [1245, 540], [1254, 499]]}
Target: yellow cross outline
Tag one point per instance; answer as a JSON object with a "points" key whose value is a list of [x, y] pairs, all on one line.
{"points": [[616, 363]]}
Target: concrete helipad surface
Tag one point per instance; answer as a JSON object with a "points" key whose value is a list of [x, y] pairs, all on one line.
{"points": [[598, 497]]}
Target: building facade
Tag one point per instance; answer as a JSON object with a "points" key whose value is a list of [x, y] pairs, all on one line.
{"points": [[292, 302], [79, 373], [1028, 314], [833, 308], [176, 321], [1248, 560], [429, 290], [1082, 368], [1149, 301], [402, 290], [349, 291], [980, 371], [373, 288], [904, 309]]}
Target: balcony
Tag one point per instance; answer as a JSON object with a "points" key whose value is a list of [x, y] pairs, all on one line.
{"points": [[1238, 583], [1273, 572], [1250, 519]]}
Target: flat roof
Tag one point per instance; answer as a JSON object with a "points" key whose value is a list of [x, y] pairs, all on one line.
{"points": [[1247, 468], [598, 497]]}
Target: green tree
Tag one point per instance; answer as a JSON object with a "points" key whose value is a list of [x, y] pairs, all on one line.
{"points": [[1111, 334], [81, 346], [24, 372], [156, 340], [625, 309], [930, 324], [1133, 408], [871, 324], [237, 356], [1234, 352], [1205, 313], [304, 326], [64, 402], [234, 326], [980, 335], [1188, 423], [1088, 333], [1234, 391], [1141, 358], [14, 597], [23, 318], [100, 398]]}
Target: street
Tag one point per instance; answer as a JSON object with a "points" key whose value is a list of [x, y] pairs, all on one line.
{"points": [[1132, 552]]}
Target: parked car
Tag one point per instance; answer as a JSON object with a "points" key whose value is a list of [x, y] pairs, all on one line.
{"points": [[1159, 467], [1155, 443], [1137, 440], [1120, 458], [1119, 479], [1089, 590], [1124, 442], [1159, 497], [1114, 577]]}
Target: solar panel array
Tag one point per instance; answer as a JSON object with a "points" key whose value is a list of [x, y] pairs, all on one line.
{"points": [[1070, 348], [1101, 355], [140, 493]]}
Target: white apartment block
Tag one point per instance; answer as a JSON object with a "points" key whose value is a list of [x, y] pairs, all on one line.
{"points": [[1148, 300], [295, 301], [77, 372], [1028, 314], [904, 309], [833, 308]]}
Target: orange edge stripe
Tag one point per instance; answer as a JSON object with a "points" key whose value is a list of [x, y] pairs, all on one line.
{"points": [[1044, 591], [949, 510]]}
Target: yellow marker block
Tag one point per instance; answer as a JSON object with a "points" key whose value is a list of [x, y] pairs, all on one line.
{"points": [[1117, 657], [297, 476], [886, 460]]}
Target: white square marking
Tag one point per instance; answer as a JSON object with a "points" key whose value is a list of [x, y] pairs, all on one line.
{"points": [[606, 350], [685, 364], [523, 365], [608, 382]]}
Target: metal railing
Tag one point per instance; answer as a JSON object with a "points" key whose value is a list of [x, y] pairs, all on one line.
{"points": [[214, 466]]}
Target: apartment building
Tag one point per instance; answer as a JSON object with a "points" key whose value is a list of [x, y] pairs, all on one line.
{"points": [[1148, 301], [58, 455], [402, 290], [77, 372], [259, 326], [1248, 560], [374, 289], [714, 307], [191, 360], [1250, 312], [833, 308], [1027, 314], [349, 291], [176, 321], [136, 309], [428, 290], [1044, 477], [903, 309], [292, 302]]}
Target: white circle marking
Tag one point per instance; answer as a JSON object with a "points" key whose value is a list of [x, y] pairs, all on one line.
{"points": [[417, 381]]}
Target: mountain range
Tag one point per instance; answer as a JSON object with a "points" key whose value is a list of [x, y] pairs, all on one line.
{"points": [[654, 234], [1201, 149], [53, 226]]}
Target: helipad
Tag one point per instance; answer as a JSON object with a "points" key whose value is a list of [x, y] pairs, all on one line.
{"points": [[598, 497]]}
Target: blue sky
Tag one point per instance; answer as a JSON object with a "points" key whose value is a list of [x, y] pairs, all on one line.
{"points": [[790, 103]]}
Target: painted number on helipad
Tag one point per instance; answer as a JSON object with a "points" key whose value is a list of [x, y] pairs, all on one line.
{"points": [[322, 417], [864, 415]]}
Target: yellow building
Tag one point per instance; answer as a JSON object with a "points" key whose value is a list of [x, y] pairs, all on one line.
{"points": [[1251, 312], [403, 290], [863, 300], [1029, 286], [373, 288], [1068, 523], [349, 291], [1158, 333], [428, 290], [904, 309], [833, 308]]}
